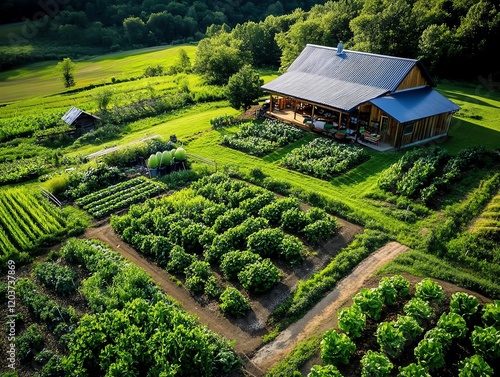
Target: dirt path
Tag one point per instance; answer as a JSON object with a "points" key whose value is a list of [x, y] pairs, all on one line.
{"points": [[244, 343], [323, 315]]}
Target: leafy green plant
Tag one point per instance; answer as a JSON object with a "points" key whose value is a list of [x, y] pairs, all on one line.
{"points": [[464, 304], [179, 260], [474, 366], [352, 321], [259, 276], [430, 354], [409, 327], [439, 335], [292, 249], [212, 287], [233, 262], [418, 309], [390, 339], [454, 324], [399, 283], [30, 341], [336, 348], [491, 314], [429, 290], [61, 279], [324, 371], [375, 364], [413, 370], [266, 242], [232, 302], [370, 302], [486, 342]]}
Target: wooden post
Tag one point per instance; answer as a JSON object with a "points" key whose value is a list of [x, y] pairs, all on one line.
{"points": [[271, 103]]}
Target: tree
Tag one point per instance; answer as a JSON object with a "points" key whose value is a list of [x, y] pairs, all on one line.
{"points": [[67, 68], [243, 88]]}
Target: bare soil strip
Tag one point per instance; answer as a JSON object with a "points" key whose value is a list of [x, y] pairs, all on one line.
{"points": [[324, 315]]}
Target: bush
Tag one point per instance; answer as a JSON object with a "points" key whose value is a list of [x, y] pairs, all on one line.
{"points": [[320, 230], [179, 260], [233, 302], [336, 348], [266, 242], [233, 262], [61, 279], [292, 249], [30, 341], [259, 276]]}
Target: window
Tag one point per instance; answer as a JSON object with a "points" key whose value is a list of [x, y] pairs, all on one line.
{"points": [[408, 129]]}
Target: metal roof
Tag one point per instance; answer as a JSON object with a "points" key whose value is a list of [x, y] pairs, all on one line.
{"points": [[342, 81], [413, 104], [73, 113]]}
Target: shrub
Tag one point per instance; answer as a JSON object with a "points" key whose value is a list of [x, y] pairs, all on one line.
{"points": [[233, 262], [474, 366], [259, 276], [336, 348], [212, 287], [375, 364], [292, 249], [30, 341], [429, 290], [352, 321], [179, 260], [463, 304], [273, 212], [266, 242], [233, 302], [61, 279], [293, 220], [320, 230]]}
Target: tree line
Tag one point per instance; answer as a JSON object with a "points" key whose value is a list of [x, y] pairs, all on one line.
{"points": [[453, 38]]}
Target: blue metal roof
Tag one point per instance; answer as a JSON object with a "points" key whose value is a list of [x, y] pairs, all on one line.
{"points": [[341, 81], [413, 104]]}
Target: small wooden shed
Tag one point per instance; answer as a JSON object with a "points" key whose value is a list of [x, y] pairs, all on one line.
{"points": [[82, 121]]}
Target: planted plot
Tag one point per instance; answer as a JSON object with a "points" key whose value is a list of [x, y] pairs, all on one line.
{"points": [[28, 220], [488, 223], [259, 139], [388, 332], [422, 173], [111, 199], [225, 226], [325, 158]]}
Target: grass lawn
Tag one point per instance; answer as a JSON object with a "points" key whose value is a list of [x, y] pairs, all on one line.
{"points": [[42, 79]]}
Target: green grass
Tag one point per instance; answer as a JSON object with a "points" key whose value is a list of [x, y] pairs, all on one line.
{"points": [[43, 79]]}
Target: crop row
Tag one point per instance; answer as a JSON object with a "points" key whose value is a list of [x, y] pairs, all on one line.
{"points": [[421, 331], [227, 225], [259, 139], [26, 218], [488, 223], [26, 125], [325, 158], [133, 324], [422, 173], [104, 202], [23, 169]]}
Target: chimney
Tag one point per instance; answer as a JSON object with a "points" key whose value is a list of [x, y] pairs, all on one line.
{"points": [[340, 48]]}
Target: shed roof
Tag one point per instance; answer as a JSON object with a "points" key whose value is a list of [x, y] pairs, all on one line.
{"points": [[413, 104], [342, 81], [73, 114]]}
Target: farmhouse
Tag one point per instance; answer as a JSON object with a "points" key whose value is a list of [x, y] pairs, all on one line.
{"points": [[383, 101], [82, 121]]}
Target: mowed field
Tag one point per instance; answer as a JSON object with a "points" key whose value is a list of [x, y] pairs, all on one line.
{"points": [[42, 79]]}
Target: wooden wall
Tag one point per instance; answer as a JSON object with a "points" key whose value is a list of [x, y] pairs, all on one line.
{"points": [[424, 129], [414, 79]]}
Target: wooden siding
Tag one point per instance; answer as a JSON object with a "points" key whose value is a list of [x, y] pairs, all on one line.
{"points": [[425, 129], [413, 79]]}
